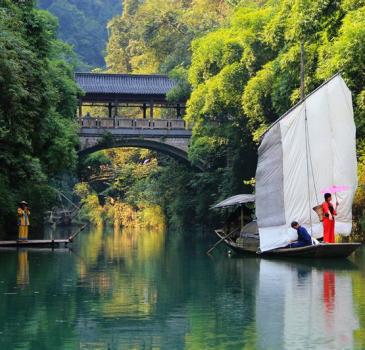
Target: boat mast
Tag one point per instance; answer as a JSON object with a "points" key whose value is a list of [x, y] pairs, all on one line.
{"points": [[302, 86], [307, 147], [307, 142]]}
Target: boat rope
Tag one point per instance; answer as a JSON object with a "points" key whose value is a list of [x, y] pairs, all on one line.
{"points": [[61, 201], [61, 194]]}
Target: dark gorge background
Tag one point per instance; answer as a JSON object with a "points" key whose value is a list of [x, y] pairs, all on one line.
{"points": [[236, 61]]}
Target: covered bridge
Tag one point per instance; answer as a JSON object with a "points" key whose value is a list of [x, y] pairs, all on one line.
{"points": [[168, 134], [146, 91]]}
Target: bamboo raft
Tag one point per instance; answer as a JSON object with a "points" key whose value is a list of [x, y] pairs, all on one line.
{"points": [[44, 243]]}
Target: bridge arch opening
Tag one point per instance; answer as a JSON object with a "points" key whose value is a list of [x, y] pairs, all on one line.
{"points": [[178, 154]]}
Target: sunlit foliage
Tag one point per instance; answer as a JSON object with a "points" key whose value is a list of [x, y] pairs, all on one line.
{"points": [[260, 50], [238, 63]]}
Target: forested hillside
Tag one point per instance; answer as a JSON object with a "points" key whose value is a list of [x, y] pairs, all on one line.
{"points": [[239, 63], [37, 104], [83, 24]]}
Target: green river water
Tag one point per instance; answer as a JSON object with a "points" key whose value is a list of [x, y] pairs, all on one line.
{"points": [[150, 290]]}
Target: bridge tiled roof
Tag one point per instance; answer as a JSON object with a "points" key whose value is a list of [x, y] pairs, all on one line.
{"points": [[124, 84]]}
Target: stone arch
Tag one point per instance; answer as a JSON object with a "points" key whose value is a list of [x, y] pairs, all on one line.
{"points": [[174, 152]]}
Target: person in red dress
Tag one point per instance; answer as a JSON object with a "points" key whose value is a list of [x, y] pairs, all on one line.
{"points": [[329, 213]]}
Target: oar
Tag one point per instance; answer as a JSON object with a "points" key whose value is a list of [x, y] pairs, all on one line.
{"points": [[220, 241]]}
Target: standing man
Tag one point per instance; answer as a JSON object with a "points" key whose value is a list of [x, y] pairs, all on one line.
{"points": [[329, 213], [23, 221], [304, 238]]}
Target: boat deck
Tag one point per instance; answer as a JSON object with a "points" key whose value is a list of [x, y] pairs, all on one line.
{"points": [[46, 243]]}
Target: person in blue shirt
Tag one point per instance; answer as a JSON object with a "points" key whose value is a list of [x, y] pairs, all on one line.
{"points": [[304, 238]]}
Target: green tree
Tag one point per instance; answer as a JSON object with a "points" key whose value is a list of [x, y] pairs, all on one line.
{"points": [[238, 62], [266, 39], [37, 104]]}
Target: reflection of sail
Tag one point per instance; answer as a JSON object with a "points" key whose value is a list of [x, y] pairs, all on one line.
{"points": [[22, 276], [270, 305], [299, 306]]}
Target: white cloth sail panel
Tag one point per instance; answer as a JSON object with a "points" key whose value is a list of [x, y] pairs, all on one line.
{"points": [[298, 158]]}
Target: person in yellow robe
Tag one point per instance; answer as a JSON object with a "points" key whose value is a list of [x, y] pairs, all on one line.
{"points": [[23, 220]]}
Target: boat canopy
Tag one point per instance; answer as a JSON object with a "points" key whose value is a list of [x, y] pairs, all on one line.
{"points": [[311, 147], [235, 200]]}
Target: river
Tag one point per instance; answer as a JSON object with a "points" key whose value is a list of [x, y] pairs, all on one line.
{"points": [[151, 290]]}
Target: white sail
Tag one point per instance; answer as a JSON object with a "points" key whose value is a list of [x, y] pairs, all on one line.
{"points": [[311, 147]]}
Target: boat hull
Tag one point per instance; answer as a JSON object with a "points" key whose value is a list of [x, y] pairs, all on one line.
{"points": [[322, 250], [251, 244]]}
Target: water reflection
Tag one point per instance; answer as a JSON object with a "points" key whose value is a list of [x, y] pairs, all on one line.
{"points": [[22, 276], [310, 310], [137, 289], [329, 292]]}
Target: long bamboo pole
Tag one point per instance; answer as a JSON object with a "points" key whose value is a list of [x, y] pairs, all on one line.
{"points": [[72, 237], [302, 72], [220, 241]]}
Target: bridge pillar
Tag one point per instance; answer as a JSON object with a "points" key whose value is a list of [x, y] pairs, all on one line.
{"points": [[116, 105], [178, 111], [151, 109], [110, 107], [144, 108]]}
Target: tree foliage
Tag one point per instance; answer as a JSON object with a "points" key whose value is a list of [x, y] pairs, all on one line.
{"points": [[155, 35], [37, 104], [239, 64], [260, 49]]}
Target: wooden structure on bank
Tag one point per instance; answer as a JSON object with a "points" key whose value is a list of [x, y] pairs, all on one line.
{"points": [[145, 91]]}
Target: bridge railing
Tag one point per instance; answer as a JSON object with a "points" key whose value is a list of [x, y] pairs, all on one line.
{"points": [[129, 123]]}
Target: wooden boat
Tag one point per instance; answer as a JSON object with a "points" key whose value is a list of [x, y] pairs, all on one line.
{"points": [[311, 147], [321, 250], [248, 245]]}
